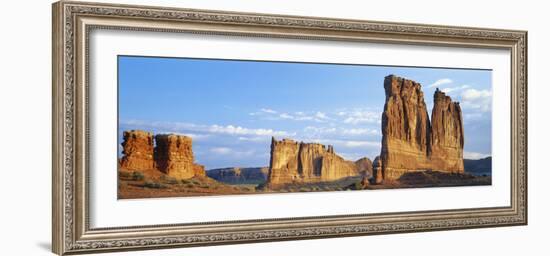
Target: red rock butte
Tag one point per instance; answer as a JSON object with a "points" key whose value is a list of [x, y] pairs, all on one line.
{"points": [[170, 154], [298, 162], [174, 156], [138, 150], [410, 142]]}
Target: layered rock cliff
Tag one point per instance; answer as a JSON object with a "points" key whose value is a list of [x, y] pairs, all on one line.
{"points": [[174, 156], [293, 162], [138, 150], [410, 142]]}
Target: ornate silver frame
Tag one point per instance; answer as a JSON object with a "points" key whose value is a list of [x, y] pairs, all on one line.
{"points": [[72, 21]]}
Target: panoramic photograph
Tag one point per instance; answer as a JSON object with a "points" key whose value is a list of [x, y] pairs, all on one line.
{"points": [[214, 127]]}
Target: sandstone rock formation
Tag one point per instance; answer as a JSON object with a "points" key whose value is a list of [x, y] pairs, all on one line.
{"points": [[447, 134], [410, 142], [293, 162], [377, 170], [138, 150], [364, 166], [174, 156], [239, 175]]}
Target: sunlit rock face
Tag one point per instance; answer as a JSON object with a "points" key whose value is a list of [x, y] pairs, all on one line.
{"points": [[410, 142], [298, 162], [174, 156], [137, 147], [447, 135]]}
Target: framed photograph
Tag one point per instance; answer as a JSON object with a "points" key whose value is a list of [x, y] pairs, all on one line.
{"points": [[179, 127]]}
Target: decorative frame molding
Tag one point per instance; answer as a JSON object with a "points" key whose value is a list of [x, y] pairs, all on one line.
{"points": [[72, 22]]}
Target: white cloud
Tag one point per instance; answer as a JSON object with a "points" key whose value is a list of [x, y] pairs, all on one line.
{"points": [[321, 115], [360, 131], [268, 110], [473, 116], [204, 130], [473, 94], [225, 151], [360, 117], [319, 130], [315, 131], [220, 150], [359, 144], [270, 114], [474, 155], [440, 82], [477, 99], [286, 116], [255, 139], [455, 89], [238, 130]]}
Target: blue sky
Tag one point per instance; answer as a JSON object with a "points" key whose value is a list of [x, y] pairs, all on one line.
{"points": [[232, 108]]}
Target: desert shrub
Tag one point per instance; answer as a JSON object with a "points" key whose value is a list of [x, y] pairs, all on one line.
{"points": [[184, 181], [261, 186], [169, 180], [125, 175], [137, 176], [152, 184], [189, 185], [357, 185]]}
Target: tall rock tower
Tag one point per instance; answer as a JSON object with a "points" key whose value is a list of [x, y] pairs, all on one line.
{"points": [[447, 136], [410, 142]]}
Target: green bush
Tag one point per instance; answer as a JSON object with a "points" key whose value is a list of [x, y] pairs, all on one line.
{"points": [[137, 176], [169, 180], [261, 186], [124, 175], [357, 185], [152, 184]]}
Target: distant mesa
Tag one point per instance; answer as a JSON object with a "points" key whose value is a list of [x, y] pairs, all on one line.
{"points": [[299, 162], [478, 167], [237, 175], [173, 154], [410, 142]]}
